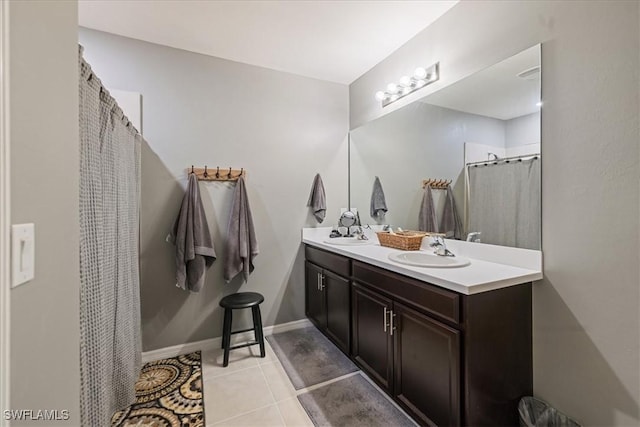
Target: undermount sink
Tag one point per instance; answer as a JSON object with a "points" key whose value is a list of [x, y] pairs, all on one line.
{"points": [[426, 259], [348, 241]]}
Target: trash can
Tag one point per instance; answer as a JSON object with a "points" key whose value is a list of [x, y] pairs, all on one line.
{"points": [[538, 413]]}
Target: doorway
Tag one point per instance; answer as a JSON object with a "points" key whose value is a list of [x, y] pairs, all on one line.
{"points": [[5, 209]]}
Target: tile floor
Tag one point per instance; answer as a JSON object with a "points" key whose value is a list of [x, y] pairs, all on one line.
{"points": [[251, 391]]}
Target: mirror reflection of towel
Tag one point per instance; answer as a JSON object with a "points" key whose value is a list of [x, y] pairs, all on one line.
{"points": [[378, 207], [317, 199], [194, 247], [451, 224], [241, 246], [427, 218]]}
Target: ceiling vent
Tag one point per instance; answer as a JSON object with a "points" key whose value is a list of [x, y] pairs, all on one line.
{"points": [[530, 74]]}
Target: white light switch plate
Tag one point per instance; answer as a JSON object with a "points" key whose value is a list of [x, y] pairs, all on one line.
{"points": [[23, 249]]}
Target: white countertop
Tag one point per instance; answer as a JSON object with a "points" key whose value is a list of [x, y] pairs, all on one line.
{"points": [[492, 267]]}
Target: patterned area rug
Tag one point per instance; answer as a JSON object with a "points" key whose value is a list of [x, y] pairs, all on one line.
{"points": [[168, 394]]}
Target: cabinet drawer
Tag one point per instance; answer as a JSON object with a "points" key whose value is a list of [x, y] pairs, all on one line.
{"points": [[432, 299], [332, 262]]}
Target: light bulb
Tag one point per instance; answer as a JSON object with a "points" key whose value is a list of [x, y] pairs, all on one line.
{"points": [[420, 73], [420, 83], [392, 87], [393, 98], [539, 104], [406, 90], [379, 95], [405, 81]]}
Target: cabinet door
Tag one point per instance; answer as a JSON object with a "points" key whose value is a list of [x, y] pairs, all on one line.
{"points": [[314, 296], [337, 293], [372, 345], [427, 367]]}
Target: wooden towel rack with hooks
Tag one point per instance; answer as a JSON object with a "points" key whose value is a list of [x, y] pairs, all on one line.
{"points": [[436, 184], [217, 174]]}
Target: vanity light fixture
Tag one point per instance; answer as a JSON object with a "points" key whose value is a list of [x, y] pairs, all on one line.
{"points": [[421, 77]]}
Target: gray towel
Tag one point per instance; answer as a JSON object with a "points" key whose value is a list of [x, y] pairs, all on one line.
{"points": [[241, 246], [378, 202], [451, 224], [317, 199], [190, 234], [427, 218]]}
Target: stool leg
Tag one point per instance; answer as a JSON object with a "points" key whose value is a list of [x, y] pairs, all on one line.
{"points": [[226, 335], [224, 329], [257, 328]]}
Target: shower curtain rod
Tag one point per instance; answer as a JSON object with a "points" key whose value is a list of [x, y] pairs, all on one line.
{"points": [[504, 159], [87, 73]]}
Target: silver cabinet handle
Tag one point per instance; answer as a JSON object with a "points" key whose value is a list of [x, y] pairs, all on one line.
{"points": [[318, 281], [391, 316], [384, 322]]}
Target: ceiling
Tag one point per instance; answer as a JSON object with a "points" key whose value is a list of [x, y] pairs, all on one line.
{"points": [[335, 41], [496, 91]]}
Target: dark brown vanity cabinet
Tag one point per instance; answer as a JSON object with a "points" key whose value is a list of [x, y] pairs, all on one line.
{"points": [[327, 296], [426, 367], [413, 356], [448, 359], [372, 345]]}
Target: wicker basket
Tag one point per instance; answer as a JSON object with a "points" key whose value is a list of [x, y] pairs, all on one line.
{"points": [[404, 240]]}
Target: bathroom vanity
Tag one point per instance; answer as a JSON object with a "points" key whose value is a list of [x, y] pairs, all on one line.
{"points": [[452, 346]]}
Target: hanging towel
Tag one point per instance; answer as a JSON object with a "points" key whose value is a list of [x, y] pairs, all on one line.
{"points": [[378, 201], [317, 199], [451, 224], [241, 246], [194, 247], [427, 218]]}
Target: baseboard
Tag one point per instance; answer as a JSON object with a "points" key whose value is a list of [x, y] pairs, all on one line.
{"points": [[211, 343]]}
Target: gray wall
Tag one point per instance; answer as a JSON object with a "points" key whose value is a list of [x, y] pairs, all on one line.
{"points": [[587, 309], [199, 110], [45, 371], [522, 130], [417, 142]]}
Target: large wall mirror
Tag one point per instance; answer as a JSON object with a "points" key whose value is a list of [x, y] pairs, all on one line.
{"points": [[481, 133]]}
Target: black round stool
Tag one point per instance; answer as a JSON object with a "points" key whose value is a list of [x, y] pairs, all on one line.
{"points": [[237, 301]]}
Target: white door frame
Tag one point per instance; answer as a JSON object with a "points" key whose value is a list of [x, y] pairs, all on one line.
{"points": [[5, 212]]}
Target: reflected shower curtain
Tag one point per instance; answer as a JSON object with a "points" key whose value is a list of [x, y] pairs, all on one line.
{"points": [[504, 203], [110, 345]]}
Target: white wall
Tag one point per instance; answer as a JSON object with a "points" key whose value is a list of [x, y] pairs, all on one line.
{"points": [[45, 372], [523, 130], [199, 110], [587, 309]]}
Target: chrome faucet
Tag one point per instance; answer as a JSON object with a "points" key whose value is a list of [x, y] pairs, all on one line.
{"points": [[359, 233], [440, 247], [474, 236]]}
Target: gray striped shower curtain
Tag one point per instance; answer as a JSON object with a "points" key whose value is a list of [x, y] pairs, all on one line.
{"points": [[110, 342], [504, 203]]}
